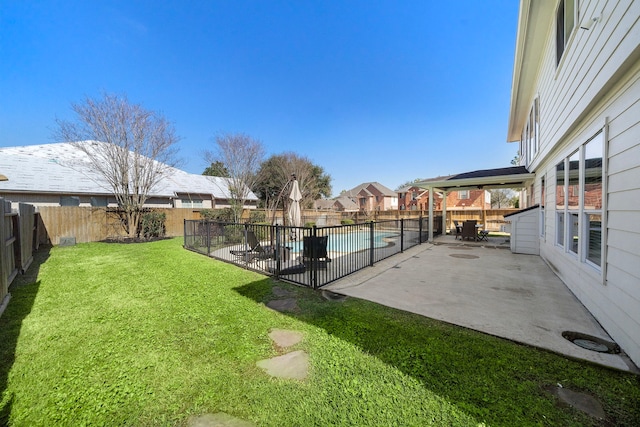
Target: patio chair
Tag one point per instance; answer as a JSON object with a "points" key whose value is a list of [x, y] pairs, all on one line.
{"points": [[314, 249], [255, 250], [458, 228], [469, 230]]}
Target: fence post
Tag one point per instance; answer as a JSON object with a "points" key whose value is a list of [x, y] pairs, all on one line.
{"points": [[401, 234], [246, 242], [277, 252], [420, 229], [314, 258], [371, 243], [208, 223]]}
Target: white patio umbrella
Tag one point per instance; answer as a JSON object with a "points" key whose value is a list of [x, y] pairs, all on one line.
{"points": [[295, 213]]}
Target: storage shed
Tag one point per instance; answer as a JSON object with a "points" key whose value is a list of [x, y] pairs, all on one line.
{"points": [[525, 230]]}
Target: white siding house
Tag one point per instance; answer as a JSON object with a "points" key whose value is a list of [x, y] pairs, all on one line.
{"points": [[575, 111]]}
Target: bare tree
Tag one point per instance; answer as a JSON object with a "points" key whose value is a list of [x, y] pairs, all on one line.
{"points": [[128, 146], [241, 155], [501, 198]]}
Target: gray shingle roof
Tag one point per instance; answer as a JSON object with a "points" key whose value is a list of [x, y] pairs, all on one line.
{"points": [[386, 191], [63, 168]]}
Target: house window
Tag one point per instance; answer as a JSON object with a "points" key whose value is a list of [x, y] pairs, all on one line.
{"points": [[560, 199], [592, 199], [99, 202], [565, 21], [192, 203], [579, 198], [574, 227], [69, 201], [536, 124], [463, 194], [573, 201], [530, 140], [542, 191]]}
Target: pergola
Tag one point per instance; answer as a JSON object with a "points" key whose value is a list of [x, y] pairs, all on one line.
{"points": [[486, 179]]}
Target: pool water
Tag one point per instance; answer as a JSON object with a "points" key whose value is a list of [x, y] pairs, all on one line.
{"points": [[349, 242]]}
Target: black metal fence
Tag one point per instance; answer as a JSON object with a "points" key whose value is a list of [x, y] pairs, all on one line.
{"points": [[309, 256]]}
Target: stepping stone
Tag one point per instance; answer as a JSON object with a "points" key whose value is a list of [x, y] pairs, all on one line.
{"points": [[279, 292], [284, 305], [294, 365], [284, 338], [580, 401], [218, 420]]}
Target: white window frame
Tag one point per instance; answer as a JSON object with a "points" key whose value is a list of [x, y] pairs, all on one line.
{"points": [[543, 200], [560, 212], [530, 138], [565, 215], [565, 26], [573, 210], [192, 203], [586, 212]]}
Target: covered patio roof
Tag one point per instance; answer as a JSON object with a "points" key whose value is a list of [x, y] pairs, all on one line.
{"points": [[511, 177], [514, 176]]}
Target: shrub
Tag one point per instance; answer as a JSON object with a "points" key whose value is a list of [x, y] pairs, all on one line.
{"points": [[309, 224], [152, 224], [347, 222], [257, 217], [262, 233], [223, 215], [234, 233]]}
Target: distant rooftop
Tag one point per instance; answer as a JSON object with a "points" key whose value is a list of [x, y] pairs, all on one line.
{"points": [[63, 168]]}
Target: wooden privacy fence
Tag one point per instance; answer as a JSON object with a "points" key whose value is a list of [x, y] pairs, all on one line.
{"points": [[90, 224], [18, 240]]}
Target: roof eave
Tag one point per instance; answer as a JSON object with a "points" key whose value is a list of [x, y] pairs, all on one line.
{"points": [[466, 183], [534, 20]]}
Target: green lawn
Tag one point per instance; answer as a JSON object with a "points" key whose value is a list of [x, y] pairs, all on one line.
{"points": [[150, 334]]}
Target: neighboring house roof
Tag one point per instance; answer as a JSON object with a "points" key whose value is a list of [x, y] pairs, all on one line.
{"points": [[369, 188], [404, 189], [347, 204], [324, 204], [63, 168], [506, 177], [409, 188]]}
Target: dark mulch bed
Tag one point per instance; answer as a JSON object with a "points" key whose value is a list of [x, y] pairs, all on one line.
{"points": [[133, 239]]}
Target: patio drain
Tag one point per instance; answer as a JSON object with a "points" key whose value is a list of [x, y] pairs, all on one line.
{"points": [[464, 256], [466, 248], [591, 343]]}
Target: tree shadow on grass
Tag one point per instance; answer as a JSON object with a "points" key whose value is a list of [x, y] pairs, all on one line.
{"points": [[491, 379], [24, 290]]}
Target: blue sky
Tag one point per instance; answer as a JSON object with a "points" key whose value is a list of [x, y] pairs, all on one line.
{"points": [[385, 91]]}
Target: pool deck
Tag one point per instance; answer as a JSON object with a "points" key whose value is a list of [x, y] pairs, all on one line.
{"points": [[484, 287]]}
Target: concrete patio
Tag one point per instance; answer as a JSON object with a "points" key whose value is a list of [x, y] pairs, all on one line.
{"points": [[485, 287]]}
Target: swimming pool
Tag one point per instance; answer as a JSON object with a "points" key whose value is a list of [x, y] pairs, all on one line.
{"points": [[349, 242]]}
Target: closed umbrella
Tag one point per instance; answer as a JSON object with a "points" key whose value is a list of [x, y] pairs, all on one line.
{"points": [[295, 214]]}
